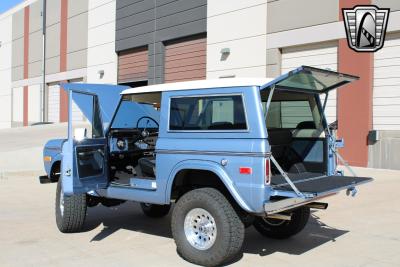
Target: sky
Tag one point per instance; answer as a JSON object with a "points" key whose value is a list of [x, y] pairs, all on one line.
{"points": [[7, 4]]}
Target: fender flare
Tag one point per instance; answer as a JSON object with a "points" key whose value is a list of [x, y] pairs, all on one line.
{"points": [[206, 165], [56, 158]]}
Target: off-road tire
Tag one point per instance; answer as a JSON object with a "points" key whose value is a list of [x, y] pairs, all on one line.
{"points": [[279, 229], [73, 217], [155, 211], [230, 229]]}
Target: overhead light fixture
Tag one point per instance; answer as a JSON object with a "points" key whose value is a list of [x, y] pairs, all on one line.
{"points": [[101, 74], [225, 52]]}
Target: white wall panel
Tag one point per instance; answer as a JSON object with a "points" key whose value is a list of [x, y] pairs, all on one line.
{"points": [[5, 71], [318, 55], [386, 94], [34, 103], [240, 26], [54, 103], [101, 42], [18, 104]]}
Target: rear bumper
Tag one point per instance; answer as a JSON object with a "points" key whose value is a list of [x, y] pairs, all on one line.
{"points": [[330, 186]]}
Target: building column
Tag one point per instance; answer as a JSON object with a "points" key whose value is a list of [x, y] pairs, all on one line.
{"points": [[354, 110], [26, 66], [63, 58]]}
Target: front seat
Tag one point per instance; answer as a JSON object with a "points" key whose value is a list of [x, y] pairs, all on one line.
{"points": [[146, 167]]}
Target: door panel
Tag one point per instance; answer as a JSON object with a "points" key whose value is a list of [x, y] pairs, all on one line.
{"points": [[84, 157]]}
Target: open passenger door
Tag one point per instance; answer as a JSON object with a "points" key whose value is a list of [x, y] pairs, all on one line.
{"points": [[84, 154]]}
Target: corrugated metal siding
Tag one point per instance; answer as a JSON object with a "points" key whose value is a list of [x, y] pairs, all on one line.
{"points": [[133, 65], [54, 103], [323, 56], [185, 59], [386, 95]]}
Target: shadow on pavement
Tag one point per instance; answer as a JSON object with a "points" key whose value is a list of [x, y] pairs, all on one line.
{"points": [[130, 217]]}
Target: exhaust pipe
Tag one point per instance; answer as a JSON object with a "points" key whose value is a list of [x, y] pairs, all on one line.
{"points": [[279, 216], [317, 205]]}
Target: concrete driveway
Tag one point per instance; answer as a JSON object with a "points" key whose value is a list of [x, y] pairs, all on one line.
{"points": [[361, 231]]}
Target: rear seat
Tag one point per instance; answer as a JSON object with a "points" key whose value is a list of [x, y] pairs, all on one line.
{"points": [[280, 140]]}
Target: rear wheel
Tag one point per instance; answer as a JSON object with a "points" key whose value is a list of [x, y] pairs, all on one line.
{"points": [[155, 211], [281, 229], [206, 229], [70, 211]]}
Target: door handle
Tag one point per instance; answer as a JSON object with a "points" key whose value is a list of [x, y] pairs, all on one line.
{"points": [[68, 172]]}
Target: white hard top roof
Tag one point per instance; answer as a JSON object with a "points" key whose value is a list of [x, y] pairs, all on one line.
{"points": [[200, 84]]}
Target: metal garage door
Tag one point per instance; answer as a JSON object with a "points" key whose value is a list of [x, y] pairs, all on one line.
{"points": [[54, 103], [185, 59], [133, 65], [318, 55], [386, 94]]}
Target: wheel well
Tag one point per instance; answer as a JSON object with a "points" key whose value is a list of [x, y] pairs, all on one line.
{"points": [[55, 171], [189, 179]]}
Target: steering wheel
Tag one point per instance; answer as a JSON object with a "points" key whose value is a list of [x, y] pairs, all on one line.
{"points": [[144, 134]]}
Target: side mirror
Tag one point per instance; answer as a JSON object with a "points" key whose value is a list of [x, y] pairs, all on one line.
{"points": [[80, 134]]}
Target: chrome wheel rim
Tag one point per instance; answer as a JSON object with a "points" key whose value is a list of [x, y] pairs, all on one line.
{"points": [[200, 229], [61, 203]]}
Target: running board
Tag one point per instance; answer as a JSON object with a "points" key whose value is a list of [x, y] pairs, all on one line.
{"points": [[138, 183], [145, 184]]}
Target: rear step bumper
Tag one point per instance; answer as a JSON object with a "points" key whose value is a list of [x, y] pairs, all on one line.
{"points": [[313, 189]]}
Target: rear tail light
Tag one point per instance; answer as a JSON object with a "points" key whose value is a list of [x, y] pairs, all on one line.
{"points": [[267, 171]]}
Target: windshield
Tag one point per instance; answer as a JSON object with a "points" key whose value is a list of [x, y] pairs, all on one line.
{"points": [[134, 115]]}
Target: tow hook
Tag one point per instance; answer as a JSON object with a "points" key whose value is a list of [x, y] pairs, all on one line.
{"points": [[352, 191]]}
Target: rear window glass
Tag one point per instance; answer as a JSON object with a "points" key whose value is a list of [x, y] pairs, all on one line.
{"points": [[207, 113], [288, 114]]}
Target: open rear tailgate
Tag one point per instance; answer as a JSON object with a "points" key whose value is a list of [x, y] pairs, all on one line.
{"points": [[312, 187], [317, 185]]}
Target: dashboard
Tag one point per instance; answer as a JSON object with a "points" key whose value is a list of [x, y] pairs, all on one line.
{"points": [[130, 141]]}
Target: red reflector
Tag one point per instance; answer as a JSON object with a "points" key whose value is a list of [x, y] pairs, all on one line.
{"points": [[245, 170]]}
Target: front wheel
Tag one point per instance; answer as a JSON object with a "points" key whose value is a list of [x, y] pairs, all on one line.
{"points": [[70, 211], [206, 229], [281, 229]]}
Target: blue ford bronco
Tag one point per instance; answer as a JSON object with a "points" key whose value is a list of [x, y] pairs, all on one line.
{"points": [[229, 153]]}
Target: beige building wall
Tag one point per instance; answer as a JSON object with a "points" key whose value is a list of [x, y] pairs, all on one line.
{"points": [[239, 27], [101, 56], [77, 36], [5, 71]]}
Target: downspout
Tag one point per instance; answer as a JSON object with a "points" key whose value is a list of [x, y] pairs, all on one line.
{"points": [[43, 89]]}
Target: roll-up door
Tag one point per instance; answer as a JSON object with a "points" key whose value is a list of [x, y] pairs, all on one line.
{"points": [[54, 103], [322, 56], [185, 59], [386, 94], [133, 65]]}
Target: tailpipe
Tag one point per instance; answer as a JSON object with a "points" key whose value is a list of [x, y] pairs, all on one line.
{"points": [[317, 205]]}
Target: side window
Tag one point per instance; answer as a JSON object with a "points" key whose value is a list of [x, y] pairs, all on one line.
{"points": [[224, 112]]}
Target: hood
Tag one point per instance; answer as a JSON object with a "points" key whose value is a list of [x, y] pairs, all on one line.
{"points": [[108, 97]]}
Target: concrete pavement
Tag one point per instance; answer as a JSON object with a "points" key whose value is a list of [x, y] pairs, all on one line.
{"points": [[360, 231], [21, 148]]}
